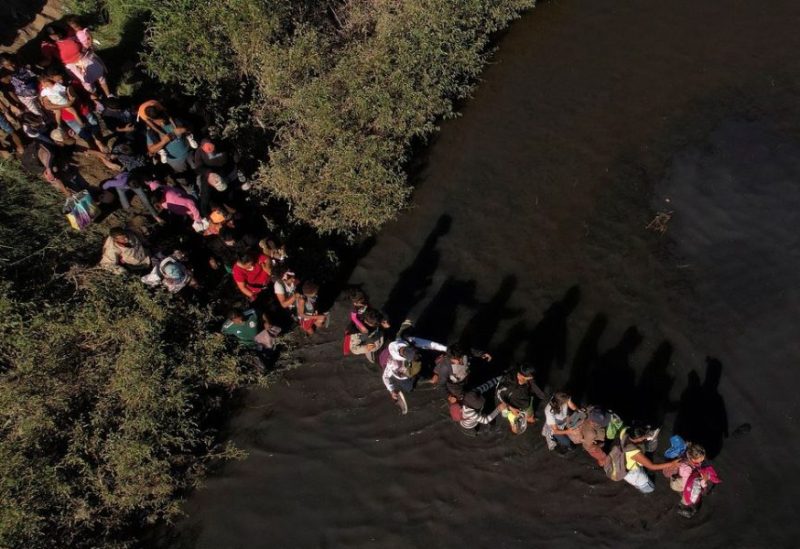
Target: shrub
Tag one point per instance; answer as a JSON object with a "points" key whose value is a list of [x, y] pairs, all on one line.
{"points": [[347, 86], [106, 389]]}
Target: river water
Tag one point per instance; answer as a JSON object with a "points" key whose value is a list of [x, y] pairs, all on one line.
{"points": [[528, 238]]}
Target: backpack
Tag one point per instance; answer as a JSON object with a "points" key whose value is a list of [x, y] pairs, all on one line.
{"points": [[614, 426], [615, 463], [346, 344], [80, 210], [599, 416], [456, 412]]}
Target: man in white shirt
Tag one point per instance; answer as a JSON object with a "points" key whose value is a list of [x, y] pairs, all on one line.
{"points": [[403, 364]]}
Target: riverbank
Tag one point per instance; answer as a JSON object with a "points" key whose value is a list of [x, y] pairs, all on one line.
{"points": [[590, 117]]}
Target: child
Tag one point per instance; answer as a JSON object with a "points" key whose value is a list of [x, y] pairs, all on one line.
{"points": [[89, 68], [286, 287], [360, 305], [57, 97], [310, 319]]}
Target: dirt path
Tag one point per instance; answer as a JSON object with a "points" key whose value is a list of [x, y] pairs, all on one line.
{"points": [[23, 19]]}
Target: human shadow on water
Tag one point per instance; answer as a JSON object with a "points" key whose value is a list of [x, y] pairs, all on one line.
{"points": [[480, 329], [702, 416], [547, 343], [612, 381], [439, 317], [585, 356], [655, 384], [415, 279]]}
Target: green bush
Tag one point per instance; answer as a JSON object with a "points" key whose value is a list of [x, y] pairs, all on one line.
{"points": [[347, 87], [106, 388]]}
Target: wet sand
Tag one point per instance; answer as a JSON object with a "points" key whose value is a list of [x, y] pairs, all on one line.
{"points": [[527, 237]]}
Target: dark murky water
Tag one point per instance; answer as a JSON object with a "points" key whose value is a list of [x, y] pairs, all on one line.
{"points": [[528, 237]]}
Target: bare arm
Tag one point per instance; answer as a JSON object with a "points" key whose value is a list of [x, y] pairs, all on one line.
{"points": [[645, 462]]}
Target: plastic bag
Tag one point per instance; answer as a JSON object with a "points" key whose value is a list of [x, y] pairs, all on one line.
{"points": [[80, 210]]}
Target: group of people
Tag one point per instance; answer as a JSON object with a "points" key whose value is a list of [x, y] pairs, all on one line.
{"points": [[191, 189], [478, 394], [189, 185]]}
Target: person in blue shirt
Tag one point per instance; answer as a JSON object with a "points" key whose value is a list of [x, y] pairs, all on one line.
{"points": [[168, 138]]}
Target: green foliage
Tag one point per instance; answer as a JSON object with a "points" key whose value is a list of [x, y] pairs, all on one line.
{"points": [[347, 87], [106, 388]]}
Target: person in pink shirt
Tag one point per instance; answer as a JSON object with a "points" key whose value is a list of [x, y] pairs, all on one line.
{"points": [[82, 34], [175, 201]]}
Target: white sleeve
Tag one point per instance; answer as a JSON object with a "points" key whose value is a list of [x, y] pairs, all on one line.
{"points": [[387, 376], [549, 418], [427, 344]]}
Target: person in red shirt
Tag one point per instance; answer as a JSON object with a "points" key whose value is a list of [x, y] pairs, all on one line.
{"points": [[66, 48], [251, 272]]}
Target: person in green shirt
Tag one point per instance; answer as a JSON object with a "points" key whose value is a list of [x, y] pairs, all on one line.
{"points": [[244, 326]]}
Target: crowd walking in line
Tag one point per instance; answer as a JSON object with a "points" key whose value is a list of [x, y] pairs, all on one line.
{"points": [[188, 184], [623, 450]]}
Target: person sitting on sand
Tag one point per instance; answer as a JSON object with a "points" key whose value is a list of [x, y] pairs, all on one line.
{"points": [[308, 315], [517, 391], [452, 369], [633, 441], [556, 414]]}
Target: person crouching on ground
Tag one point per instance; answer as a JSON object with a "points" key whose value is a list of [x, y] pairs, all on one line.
{"points": [[517, 392], [123, 251], [637, 464], [307, 313], [556, 414], [369, 341]]}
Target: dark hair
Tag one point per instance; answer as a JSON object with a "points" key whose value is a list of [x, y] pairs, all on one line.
{"points": [[235, 312], [638, 431], [526, 369], [73, 19], [136, 178], [152, 111], [358, 295], [248, 256], [32, 119], [113, 103], [557, 401], [114, 232], [51, 30], [310, 287], [372, 317], [226, 233], [456, 350]]}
